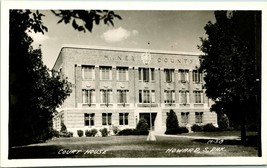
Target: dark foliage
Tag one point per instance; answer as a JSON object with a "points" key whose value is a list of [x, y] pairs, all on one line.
{"points": [[197, 128], [35, 91], [182, 130], [104, 132], [223, 122], [141, 128], [172, 123], [91, 133], [209, 128], [87, 17], [231, 62], [126, 132], [80, 133]]}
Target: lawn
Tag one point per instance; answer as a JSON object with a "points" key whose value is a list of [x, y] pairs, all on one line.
{"points": [[129, 147]]}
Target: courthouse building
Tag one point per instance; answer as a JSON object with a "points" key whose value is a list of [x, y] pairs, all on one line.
{"points": [[116, 87]]}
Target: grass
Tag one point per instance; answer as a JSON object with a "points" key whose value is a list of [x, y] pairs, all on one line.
{"points": [[219, 134], [129, 147]]}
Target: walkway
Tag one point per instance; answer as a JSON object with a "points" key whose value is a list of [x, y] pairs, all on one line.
{"points": [[202, 137]]}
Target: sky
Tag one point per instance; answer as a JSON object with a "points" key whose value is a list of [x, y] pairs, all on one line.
{"points": [[163, 30]]}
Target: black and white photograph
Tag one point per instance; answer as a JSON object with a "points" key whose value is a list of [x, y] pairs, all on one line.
{"points": [[120, 83]]}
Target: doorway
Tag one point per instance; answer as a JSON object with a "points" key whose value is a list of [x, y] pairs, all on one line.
{"points": [[146, 116]]}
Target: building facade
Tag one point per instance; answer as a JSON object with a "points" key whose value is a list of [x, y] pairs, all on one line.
{"points": [[116, 87]]}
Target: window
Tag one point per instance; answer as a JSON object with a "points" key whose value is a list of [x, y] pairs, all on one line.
{"points": [[106, 96], [198, 96], [197, 76], [122, 74], [169, 96], [123, 118], [144, 74], [146, 95], [106, 119], [183, 75], [105, 73], [199, 117], [88, 72], [89, 119], [89, 96], [122, 96], [184, 96], [184, 117], [169, 75]]}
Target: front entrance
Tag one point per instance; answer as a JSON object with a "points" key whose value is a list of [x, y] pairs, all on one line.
{"points": [[146, 116]]}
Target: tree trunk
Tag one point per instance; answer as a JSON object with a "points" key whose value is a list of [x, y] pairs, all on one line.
{"points": [[243, 134]]}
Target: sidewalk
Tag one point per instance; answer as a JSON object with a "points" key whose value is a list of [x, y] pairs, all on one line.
{"points": [[202, 137]]}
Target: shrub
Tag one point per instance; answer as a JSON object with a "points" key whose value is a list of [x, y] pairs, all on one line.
{"points": [[88, 133], [116, 130], [63, 127], [80, 133], [104, 132], [172, 123], [197, 128], [182, 130], [141, 128], [126, 132], [66, 134], [209, 128], [223, 122], [94, 132], [55, 133]]}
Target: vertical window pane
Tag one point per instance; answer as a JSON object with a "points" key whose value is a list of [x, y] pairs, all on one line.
{"points": [[152, 74], [104, 119], [140, 73], [140, 96], [85, 96], [121, 118], [126, 118], [109, 119]]}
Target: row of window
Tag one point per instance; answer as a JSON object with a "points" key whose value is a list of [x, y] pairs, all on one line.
{"points": [[145, 74], [89, 118], [145, 96], [198, 117]]}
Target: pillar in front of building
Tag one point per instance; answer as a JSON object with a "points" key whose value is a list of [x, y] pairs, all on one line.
{"points": [[162, 83], [114, 85], [136, 87], [157, 85], [131, 84], [78, 85], [191, 87], [97, 84]]}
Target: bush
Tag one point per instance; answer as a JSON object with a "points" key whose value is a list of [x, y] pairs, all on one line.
{"points": [[141, 128], [172, 125], [94, 132], [66, 134], [197, 128], [126, 132], [182, 130], [63, 127], [80, 133], [55, 133], [104, 132], [116, 130], [223, 122], [88, 133], [209, 128]]}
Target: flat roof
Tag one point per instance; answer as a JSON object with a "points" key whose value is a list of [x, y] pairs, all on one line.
{"points": [[128, 49]]}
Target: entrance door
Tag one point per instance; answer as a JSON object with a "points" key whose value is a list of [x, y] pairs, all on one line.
{"points": [[146, 116]]}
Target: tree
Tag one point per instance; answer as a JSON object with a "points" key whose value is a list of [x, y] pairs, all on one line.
{"points": [[230, 51], [141, 127], [172, 124], [35, 91]]}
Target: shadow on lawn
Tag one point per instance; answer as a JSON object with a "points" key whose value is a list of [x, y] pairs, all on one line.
{"points": [[33, 152], [250, 141]]}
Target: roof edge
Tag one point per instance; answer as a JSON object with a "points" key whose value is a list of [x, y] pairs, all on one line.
{"points": [[128, 49]]}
